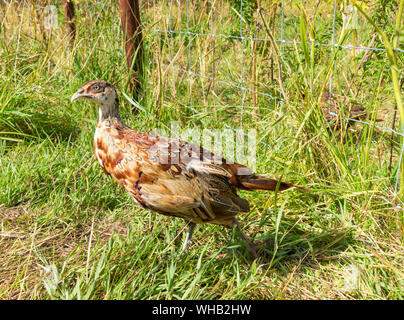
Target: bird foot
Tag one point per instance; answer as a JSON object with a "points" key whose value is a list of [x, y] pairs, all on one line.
{"points": [[252, 249], [191, 228], [250, 246]]}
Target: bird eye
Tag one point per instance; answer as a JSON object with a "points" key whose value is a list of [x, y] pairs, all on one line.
{"points": [[96, 87]]}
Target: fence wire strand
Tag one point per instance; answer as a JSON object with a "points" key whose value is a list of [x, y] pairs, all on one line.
{"points": [[242, 63], [234, 37]]}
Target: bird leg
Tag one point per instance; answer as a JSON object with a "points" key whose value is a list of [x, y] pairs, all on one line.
{"points": [[251, 247], [191, 228]]}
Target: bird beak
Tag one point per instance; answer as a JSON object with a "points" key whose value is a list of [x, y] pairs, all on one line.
{"points": [[77, 94]]}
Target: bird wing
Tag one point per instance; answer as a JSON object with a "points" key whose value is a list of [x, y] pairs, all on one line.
{"points": [[170, 176]]}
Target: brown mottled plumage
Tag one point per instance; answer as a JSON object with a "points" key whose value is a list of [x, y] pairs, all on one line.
{"points": [[333, 105], [167, 175]]}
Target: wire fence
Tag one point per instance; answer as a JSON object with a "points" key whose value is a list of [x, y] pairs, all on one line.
{"points": [[286, 34]]}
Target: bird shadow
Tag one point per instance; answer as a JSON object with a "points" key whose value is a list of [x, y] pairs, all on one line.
{"points": [[299, 246]]}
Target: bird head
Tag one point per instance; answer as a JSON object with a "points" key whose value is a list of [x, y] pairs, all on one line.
{"points": [[97, 91]]}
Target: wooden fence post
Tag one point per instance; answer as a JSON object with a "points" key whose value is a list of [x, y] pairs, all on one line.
{"points": [[130, 19], [70, 20]]}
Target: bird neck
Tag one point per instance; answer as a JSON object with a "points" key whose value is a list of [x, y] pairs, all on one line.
{"points": [[109, 111]]}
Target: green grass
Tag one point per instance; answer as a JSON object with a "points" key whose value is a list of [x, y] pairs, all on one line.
{"points": [[67, 231]]}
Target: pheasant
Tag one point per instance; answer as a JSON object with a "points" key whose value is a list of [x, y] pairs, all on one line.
{"points": [[331, 111], [168, 175]]}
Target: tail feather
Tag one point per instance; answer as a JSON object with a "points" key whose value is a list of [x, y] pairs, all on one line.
{"points": [[263, 183], [245, 179]]}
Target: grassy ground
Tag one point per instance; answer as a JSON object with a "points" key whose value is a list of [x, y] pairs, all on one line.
{"points": [[67, 231]]}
